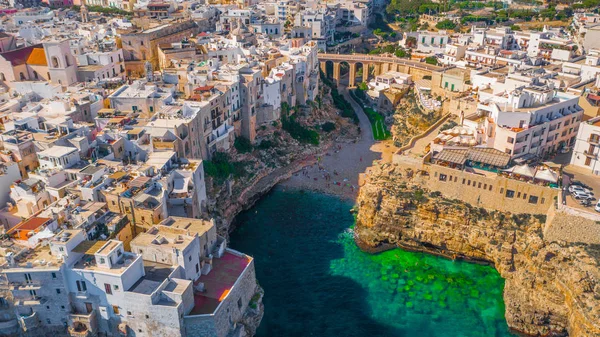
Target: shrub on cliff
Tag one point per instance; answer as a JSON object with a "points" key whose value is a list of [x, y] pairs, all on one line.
{"points": [[242, 145], [220, 167]]}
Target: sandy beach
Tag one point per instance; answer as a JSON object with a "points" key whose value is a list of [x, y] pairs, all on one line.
{"points": [[337, 172]]}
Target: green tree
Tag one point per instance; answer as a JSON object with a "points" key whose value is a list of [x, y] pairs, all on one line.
{"points": [[363, 86], [446, 24], [431, 60], [242, 144]]}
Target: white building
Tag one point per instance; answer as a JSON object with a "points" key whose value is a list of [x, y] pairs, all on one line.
{"points": [[587, 146]]}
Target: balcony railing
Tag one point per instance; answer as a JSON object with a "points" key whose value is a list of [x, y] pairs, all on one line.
{"points": [[590, 154], [594, 140]]}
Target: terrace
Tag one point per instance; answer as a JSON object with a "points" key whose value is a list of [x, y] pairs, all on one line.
{"points": [[219, 282]]}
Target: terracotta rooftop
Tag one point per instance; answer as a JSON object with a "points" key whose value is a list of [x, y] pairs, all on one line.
{"points": [[31, 224], [19, 56], [219, 282], [37, 57]]}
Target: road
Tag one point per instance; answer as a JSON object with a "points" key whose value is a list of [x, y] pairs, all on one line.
{"points": [[348, 162]]}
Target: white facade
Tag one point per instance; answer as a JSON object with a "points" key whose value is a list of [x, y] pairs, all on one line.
{"points": [[587, 146]]}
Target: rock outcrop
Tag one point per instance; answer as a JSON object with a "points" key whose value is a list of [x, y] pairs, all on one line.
{"points": [[551, 288]]}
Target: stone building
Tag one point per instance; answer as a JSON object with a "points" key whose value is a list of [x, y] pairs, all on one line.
{"points": [[140, 46]]}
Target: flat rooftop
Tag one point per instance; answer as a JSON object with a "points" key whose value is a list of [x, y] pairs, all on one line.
{"points": [[156, 273], [219, 282], [57, 151]]}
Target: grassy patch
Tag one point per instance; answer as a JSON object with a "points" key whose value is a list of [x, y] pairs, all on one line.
{"points": [[377, 124]]}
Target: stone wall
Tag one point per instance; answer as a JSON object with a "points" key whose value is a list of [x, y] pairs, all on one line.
{"points": [[569, 226], [229, 312], [489, 191]]}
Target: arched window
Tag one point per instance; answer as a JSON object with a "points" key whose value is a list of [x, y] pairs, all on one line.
{"points": [[55, 62], [22, 76], [2, 78]]}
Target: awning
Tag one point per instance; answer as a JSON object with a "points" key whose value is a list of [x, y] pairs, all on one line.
{"points": [[523, 170], [547, 175]]}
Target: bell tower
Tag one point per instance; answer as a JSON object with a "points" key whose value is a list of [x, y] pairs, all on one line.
{"points": [[84, 12], [61, 62]]}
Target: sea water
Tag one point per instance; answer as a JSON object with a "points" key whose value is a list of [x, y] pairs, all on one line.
{"points": [[318, 283]]}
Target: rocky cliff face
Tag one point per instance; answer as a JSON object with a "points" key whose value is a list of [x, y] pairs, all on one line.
{"points": [[552, 288]]}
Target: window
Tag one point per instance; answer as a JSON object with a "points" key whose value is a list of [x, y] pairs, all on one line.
{"points": [[240, 303], [533, 199], [197, 267], [190, 258], [27, 278], [147, 316], [107, 288], [442, 177], [53, 276], [62, 249], [32, 293], [478, 185], [116, 309], [116, 287], [501, 190], [524, 196], [510, 193], [518, 194], [102, 260], [129, 313], [490, 188], [58, 291], [464, 181], [543, 200]]}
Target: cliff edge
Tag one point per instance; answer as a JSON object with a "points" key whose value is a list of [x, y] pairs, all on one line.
{"points": [[551, 288]]}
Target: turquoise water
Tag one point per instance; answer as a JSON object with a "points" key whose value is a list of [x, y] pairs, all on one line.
{"points": [[318, 283]]}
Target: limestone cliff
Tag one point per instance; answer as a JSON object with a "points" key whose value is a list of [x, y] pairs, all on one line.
{"points": [[552, 288]]}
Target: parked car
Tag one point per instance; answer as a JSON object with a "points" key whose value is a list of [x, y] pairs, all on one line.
{"points": [[579, 188], [579, 195], [597, 208], [579, 183]]}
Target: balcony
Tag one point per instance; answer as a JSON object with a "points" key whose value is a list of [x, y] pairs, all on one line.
{"points": [[594, 140], [83, 325], [590, 154]]}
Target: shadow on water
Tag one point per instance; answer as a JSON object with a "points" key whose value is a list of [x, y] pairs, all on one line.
{"points": [[292, 259]]}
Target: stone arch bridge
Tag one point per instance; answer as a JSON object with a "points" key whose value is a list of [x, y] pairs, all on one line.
{"points": [[380, 65]]}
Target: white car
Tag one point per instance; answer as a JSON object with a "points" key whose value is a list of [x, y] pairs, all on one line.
{"points": [[597, 208], [578, 188], [579, 195]]}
